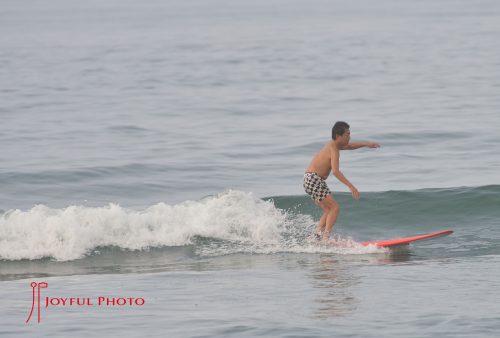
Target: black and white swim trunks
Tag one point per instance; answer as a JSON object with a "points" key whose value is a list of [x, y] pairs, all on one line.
{"points": [[315, 186]]}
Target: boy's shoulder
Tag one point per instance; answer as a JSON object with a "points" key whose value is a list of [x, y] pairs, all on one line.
{"points": [[333, 146]]}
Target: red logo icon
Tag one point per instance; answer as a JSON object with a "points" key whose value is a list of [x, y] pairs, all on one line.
{"points": [[35, 285]]}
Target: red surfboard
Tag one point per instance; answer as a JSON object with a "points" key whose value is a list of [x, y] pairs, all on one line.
{"points": [[405, 241]]}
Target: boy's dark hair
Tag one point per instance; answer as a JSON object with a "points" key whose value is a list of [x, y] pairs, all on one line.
{"points": [[339, 128]]}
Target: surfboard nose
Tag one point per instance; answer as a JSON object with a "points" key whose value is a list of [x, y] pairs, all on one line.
{"points": [[407, 240]]}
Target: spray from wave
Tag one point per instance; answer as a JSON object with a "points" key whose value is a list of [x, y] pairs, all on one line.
{"points": [[230, 222]]}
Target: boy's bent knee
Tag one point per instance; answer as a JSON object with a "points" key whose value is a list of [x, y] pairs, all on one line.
{"points": [[333, 205]]}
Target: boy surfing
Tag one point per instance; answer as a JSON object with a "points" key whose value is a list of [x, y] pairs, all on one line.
{"points": [[324, 162]]}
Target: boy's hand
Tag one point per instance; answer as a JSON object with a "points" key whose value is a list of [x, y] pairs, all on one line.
{"points": [[355, 192], [372, 145]]}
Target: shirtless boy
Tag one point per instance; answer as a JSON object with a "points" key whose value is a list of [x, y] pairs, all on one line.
{"points": [[319, 169]]}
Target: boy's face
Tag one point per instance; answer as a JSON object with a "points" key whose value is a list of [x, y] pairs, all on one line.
{"points": [[346, 137]]}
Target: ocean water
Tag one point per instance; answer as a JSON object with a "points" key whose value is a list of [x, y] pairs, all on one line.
{"points": [[155, 150]]}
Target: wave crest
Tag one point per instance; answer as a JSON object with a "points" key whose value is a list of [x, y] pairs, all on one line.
{"points": [[72, 232]]}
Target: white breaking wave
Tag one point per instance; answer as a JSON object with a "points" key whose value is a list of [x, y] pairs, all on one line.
{"points": [[243, 222], [72, 232]]}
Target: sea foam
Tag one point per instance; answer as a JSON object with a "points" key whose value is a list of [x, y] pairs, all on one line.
{"points": [[73, 232]]}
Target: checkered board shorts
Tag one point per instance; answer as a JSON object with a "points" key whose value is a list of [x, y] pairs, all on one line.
{"points": [[315, 186]]}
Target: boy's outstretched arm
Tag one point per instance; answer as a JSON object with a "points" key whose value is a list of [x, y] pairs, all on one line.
{"points": [[357, 145]]}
